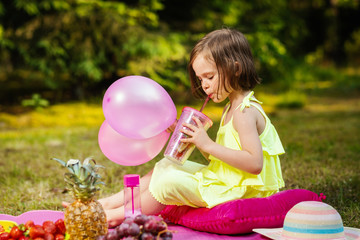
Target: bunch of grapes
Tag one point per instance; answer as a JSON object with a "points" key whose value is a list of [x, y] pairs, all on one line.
{"points": [[142, 227]]}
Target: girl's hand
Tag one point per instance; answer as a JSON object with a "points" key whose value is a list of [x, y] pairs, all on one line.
{"points": [[197, 134], [172, 127]]}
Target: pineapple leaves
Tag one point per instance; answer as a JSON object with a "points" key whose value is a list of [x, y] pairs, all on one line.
{"points": [[87, 160], [98, 166], [97, 183], [60, 161], [70, 179], [82, 178], [74, 166]]}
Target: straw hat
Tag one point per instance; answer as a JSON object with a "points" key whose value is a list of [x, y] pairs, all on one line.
{"points": [[311, 220]]}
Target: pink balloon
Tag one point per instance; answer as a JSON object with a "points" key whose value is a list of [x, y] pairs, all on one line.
{"points": [[138, 107], [129, 151]]}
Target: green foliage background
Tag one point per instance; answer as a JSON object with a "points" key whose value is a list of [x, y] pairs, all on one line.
{"points": [[74, 49]]}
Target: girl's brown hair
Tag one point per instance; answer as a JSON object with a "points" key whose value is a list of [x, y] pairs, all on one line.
{"points": [[232, 55]]}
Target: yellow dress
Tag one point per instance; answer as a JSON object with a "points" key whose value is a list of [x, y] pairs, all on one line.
{"points": [[198, 185]]}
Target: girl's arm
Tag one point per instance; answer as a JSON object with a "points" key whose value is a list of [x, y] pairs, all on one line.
{"points": [[249, 159], [172, 127], [206, 154]]}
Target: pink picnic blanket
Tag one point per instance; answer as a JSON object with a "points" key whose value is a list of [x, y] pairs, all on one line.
{"points": [[184, 233], [180, 232]]}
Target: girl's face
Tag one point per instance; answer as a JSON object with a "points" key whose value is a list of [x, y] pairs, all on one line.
{"points": [[207, 73]]}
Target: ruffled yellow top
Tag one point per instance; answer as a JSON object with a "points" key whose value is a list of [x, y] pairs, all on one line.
{"points": [[206, 186], [237, 181]]}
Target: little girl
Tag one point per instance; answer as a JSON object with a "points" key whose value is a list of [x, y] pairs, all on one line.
{"points": [[244, 159]]}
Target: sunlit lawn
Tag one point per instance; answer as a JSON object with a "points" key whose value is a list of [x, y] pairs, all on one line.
{"points": [[322, 143]]}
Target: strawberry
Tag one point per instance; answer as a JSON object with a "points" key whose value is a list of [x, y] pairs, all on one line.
{"points": [[4, 236], [15, 232], [60, 226], [24, 238], [59, 237], [49, 227], [29, 224], [49, 236], [36, 232]]}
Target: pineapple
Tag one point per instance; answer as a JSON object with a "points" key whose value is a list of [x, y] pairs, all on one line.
{"points": [[85, 218]]}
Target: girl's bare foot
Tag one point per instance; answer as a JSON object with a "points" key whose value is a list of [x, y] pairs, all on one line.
{"points": [[65, 204], [114, 217]]}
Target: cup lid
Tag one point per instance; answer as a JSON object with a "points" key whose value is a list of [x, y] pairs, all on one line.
{"points": [[131, 180]]}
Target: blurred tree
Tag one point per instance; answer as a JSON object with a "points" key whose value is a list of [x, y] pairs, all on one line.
{"points": [[281, 32], [330, 24], [75, 45], [270, 28], [75, 48]]}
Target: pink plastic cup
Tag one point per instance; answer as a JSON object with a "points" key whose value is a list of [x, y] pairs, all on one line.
{"points": [[176, 150]]}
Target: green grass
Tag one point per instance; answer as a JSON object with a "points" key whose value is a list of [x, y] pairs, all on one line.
{"points": [[322, 143], [323, 155]]}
